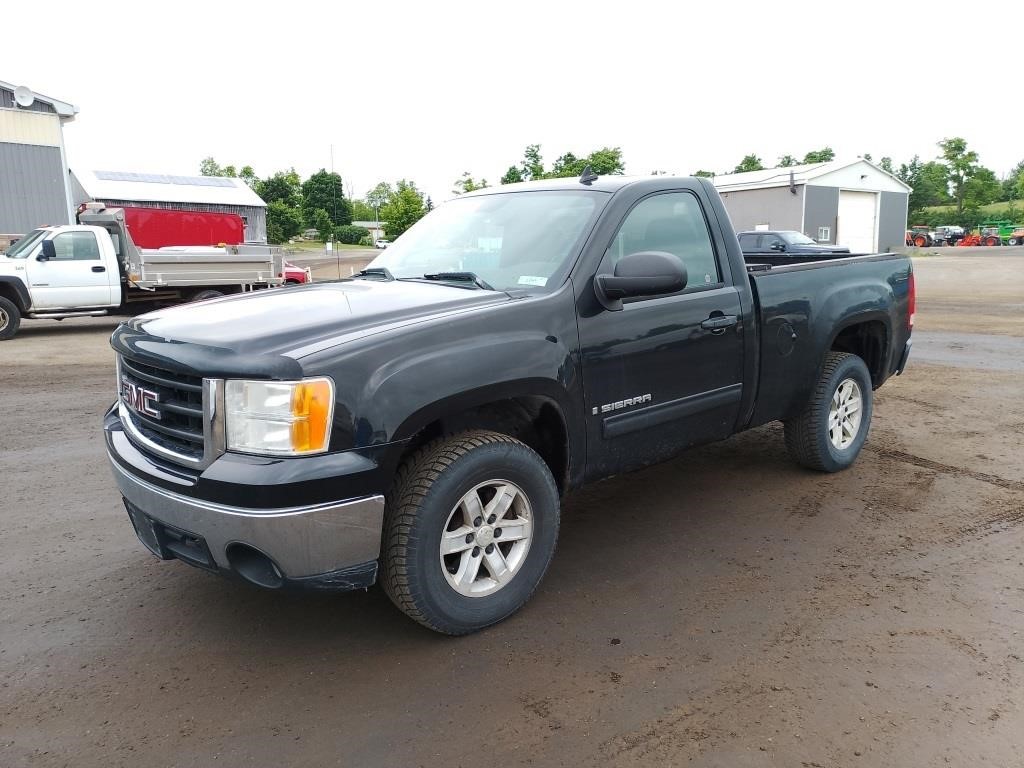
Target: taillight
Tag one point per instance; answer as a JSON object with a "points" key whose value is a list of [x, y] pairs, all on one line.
{"points": [[911, 301]]}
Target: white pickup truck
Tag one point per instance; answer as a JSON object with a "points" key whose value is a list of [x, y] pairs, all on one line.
{"points": [[93, 268]]}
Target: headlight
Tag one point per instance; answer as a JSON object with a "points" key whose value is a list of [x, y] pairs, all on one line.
{"points": [[279, 418]]}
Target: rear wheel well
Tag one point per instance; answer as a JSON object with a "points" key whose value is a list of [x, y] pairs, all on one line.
{"points": [[870, 342], [534, 420]]}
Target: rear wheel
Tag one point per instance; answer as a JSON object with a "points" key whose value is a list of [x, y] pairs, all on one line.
{"points": [[470, 529], [10, 319], [920, 241], [1014, 241], [830, 432], [991, 241]]}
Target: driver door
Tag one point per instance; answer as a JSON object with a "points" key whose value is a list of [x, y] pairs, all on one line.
{"points": [[76, 278], [665, 372]]}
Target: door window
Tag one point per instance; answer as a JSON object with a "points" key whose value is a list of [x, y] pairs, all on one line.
{"points": [[673, 223], [76, 246], [771, 242], [748, 242]]}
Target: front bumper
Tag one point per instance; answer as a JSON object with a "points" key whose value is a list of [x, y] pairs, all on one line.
{"points": [[321, 544]]}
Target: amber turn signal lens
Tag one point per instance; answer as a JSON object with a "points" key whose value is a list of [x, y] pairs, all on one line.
{"points": [[311, 409]]}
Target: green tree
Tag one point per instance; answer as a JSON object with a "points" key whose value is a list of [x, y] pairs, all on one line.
{"points": [[606, 161], [823, 155], [566, 166], [1013, 184], [930, 183], [787, 161], [323, 224], [379, 195], [248, 175], [283, 222], [467, 183], [749, 163], [283, 187], [533, 163], [512, 176], [403, 208], [705, 174], [886, 165], [324, 190], [351, 234], [982, 188], [963, 166], [209, 167], [361, 211]]}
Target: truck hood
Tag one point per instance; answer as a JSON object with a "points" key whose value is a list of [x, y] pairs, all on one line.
{"points": [[298, 320]]}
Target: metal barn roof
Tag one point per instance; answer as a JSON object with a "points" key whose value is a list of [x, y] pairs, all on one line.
{"points": [[155, 187], [64, 110], [797, 174]]}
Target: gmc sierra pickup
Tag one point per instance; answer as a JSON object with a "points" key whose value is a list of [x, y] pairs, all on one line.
{"points": [[419, 424]]}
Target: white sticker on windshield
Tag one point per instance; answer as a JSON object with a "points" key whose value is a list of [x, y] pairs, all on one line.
{"points": [[531, 280]]}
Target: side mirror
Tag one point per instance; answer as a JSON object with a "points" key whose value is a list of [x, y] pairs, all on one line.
{"points": [[777, 246], [48, 252], [646, 273]]}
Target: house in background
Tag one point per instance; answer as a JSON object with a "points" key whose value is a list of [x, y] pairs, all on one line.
{"points": [[217, 194], [376, 228], [35, 189], [851, 203]]}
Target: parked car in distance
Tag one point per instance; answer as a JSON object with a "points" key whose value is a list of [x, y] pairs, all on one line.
{"points": [[295, 275], [784, 241], [418, 424], [381, 243]]}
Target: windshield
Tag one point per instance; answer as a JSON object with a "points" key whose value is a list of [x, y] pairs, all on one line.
{"points": [[513, 240], [21, 248], [796, 238]]}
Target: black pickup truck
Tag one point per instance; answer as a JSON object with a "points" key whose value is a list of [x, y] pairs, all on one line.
{"points": [[419, 424]]}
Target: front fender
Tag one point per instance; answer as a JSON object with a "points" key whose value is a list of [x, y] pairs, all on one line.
{"points": [[16, 288]]}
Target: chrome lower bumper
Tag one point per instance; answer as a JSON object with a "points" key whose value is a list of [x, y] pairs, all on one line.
{"points": [[301, 541]]}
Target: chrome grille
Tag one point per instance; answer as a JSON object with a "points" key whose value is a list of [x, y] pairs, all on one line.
{"points": [[168, 413]]}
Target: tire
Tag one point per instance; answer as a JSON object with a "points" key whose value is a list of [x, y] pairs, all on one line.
{"points": [[1013, 241], [992, 241], [204, 295], [427, 501], [808, 438], [920, 242], [10, 319]]}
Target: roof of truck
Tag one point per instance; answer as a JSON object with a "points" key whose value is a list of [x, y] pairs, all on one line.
{"points": [[163, 188]]}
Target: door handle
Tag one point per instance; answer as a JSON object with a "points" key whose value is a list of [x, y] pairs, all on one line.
{"points": [[718, 323], [99, 269]]}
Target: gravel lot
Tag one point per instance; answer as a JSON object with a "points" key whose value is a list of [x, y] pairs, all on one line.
{"points": [[724, 609]]}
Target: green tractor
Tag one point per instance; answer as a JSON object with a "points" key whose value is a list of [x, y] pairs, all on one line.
{"points": [[999, 232]]}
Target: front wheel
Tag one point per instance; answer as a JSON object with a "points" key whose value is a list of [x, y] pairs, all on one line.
{"points": [[470, 528], [10, 319], [830, 432]]}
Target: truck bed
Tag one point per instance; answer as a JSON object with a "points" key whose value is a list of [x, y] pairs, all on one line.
{"points": [[796, 303], [234, 265]]}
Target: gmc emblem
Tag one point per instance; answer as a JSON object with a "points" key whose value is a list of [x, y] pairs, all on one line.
{"points": [[139, 399]]}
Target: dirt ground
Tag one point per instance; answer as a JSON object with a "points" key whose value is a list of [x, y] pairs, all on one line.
{"points": [[725, 609]]}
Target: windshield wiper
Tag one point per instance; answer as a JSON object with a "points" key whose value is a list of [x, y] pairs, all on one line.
{"points": [[383, 272], [460, 277]]}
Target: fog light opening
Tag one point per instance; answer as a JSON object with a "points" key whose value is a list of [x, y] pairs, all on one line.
{"points": [[253, 566]]}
